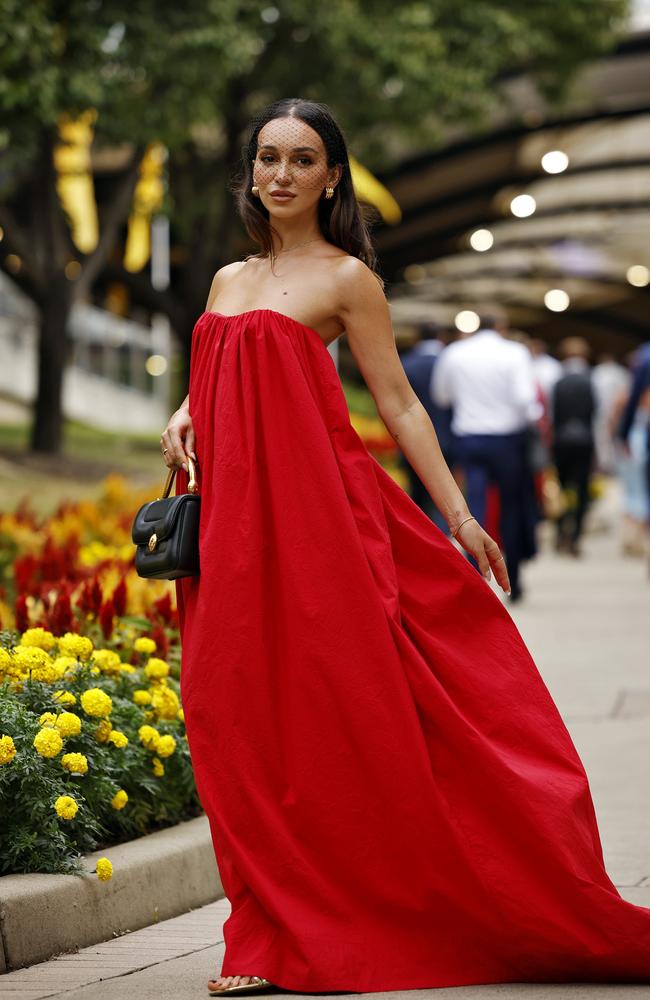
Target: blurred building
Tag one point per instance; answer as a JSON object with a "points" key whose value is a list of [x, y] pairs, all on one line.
{"points": [[546, 212], [118, 375]]}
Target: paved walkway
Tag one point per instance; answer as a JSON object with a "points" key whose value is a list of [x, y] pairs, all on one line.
{"points": [[586, 624]]}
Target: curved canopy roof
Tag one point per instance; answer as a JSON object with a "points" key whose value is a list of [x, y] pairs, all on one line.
{"points": [[589, 233]]}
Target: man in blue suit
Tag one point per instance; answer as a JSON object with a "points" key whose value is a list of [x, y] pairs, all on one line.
{"points": [[418, 363], [640, 383]]}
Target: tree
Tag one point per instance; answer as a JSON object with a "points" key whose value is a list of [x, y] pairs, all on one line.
{"points": [[191, 76]]}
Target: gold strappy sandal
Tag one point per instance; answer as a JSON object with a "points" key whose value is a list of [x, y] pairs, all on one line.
{"points": [[254, 986]]}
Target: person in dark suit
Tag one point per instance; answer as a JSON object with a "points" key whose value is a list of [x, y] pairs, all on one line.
{"points": [[573, 409], [640, 385], [418, 363]]}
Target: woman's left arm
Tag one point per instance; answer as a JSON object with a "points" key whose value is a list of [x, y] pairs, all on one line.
{"points": [[364, 311]]}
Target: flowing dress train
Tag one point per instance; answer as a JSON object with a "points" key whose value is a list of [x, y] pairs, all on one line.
{"points": [[394, 799]]}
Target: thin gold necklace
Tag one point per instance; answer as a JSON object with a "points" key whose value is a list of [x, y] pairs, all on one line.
{"points": [[303, 243]]}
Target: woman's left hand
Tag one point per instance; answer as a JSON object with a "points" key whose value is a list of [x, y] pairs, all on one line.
{"points": [[485, 550]]}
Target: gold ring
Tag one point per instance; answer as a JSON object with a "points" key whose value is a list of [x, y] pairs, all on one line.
{"points": [[164, 450]]}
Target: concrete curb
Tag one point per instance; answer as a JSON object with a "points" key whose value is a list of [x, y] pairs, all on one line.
{"points": [[155, 877]]}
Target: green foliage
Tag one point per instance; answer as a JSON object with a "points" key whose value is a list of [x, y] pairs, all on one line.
{"points": [[189, 72]]}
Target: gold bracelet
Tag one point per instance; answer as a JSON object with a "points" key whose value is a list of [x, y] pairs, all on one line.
{"points": [[454, 533]]}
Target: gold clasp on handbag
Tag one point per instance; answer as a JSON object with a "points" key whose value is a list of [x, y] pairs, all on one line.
{"points": [[153, 541], [191, 486]]}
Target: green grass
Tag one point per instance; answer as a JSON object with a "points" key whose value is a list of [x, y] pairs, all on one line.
{"points": [[89, 454]]}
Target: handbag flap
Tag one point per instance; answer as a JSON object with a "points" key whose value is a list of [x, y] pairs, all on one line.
{"points": [[159, 516]]}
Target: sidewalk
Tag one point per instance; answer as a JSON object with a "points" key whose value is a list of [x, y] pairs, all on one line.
{"points": [[587, 626]]}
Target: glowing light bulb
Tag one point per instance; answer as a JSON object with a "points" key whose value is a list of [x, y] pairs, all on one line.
{"points": [[156, 364], [557, 300], [523, 205], [638, 275], [481, 239], [467, 321], [555, 161]]}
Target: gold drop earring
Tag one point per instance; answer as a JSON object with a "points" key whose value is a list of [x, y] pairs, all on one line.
{"points": [[329, 191], [255, 190]]}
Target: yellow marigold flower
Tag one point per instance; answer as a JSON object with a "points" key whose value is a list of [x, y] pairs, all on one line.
{"points": [[144, 645], [180, 715], [149, 737], [118, 738], [47, 719], [107, 660], [96, 702], [103, 731], [156, 667], [127, 668], [157, 682], [72, 644], [66, 807], [5, 660], [166, 746], [66, 666], [75, 763], [120, 799], [7, 749], [65, 697], [158, 767], [68, 724], [45, 672], [165, 702], [35, 661], [13, 669], [141, 697], [37, 637], [27, 657], [104, 869], [48, 742]]}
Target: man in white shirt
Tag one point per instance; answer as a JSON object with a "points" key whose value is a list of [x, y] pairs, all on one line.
{"points": [[490, 383]]}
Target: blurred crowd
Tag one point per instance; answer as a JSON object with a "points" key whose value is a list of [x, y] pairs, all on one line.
{"points": [[525, 431]]}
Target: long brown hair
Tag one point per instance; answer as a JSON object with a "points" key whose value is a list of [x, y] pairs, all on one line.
{"points": [[340, 218]]}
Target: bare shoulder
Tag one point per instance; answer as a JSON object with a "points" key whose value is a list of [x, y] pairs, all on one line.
{"points": [[354, 273], [222, 277], [359, 288]]}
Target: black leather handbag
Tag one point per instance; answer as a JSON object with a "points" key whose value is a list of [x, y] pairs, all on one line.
{"points": [[166, 532]]}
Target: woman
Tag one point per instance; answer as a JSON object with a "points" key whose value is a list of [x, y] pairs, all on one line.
{"points": [[393, 798], [630, 463]]}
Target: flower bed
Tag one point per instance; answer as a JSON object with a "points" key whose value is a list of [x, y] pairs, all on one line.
{"points": [[93, 749]]}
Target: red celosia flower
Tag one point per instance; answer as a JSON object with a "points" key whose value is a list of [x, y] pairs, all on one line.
{"points": [[119, 597], [96, 596], [22, 614], [25, 573], [106, 616], [61, 618], [159, 636], [164, 608]]}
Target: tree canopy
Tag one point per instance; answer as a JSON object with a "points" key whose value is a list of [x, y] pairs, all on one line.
{"points": [[191, 76]]}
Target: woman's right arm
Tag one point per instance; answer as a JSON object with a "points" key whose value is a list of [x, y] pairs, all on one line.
{"points": [[178, 435]]}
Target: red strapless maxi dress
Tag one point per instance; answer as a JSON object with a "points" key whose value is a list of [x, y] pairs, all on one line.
{"points": [[394, 799]]}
